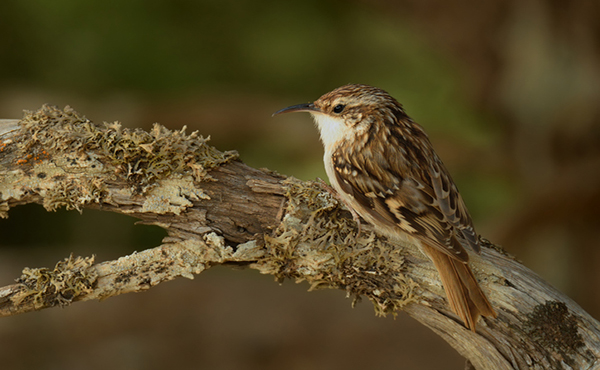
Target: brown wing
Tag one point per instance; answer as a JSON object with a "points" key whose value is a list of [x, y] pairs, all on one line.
{"points": [[452, 205], [404, 185]]}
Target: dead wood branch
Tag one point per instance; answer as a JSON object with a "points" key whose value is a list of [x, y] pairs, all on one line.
{"points": [[217, 210]]}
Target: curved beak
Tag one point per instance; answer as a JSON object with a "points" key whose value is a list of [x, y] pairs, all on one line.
{"points": [[309, 107]]}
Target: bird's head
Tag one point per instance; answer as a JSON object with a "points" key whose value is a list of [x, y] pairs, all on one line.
{"points": [[349, 111]]}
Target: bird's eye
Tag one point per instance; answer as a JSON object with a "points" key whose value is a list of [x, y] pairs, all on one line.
{"points": [[338, 108]]}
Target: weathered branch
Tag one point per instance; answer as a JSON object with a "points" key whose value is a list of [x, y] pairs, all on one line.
{"points": [[217, 210]]}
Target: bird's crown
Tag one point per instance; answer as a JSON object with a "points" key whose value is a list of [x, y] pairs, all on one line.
{"points": [[356, 98]]}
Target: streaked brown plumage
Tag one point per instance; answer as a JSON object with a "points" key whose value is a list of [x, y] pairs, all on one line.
{"points": [[383, 167]]}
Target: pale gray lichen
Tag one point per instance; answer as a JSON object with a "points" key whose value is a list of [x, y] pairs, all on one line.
{"points": [[69, 279], [173, 196], [316, 243], [54, 147]]}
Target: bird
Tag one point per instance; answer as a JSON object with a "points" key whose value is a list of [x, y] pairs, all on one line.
{"points": [[384, 168]]}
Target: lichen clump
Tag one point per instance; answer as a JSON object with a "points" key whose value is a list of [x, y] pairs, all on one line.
{"points": [[67, 160], [140, 157], [552, 326], [317, 243], [46, 287]]}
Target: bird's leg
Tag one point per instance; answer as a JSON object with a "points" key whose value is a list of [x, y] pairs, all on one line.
{"points": [[330, 190]]}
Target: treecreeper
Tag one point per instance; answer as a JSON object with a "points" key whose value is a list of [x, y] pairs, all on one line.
{"points": [[383, 167]]}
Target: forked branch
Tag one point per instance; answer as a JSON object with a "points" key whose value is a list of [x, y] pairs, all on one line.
{"points": [[217, 210]]}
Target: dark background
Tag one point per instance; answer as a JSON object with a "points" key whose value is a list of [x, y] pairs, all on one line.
{"points": [[508, 90]]}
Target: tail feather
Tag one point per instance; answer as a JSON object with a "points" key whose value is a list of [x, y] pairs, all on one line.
{"points": [[464, 294]]}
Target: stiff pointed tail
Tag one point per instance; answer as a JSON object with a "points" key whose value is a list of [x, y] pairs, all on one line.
{"points": [[465, 296]]}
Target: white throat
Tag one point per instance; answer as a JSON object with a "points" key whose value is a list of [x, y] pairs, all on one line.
{"points": [[333, 130]]}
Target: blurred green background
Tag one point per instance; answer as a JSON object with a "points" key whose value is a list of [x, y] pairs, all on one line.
{"points": [[508, 91]]}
